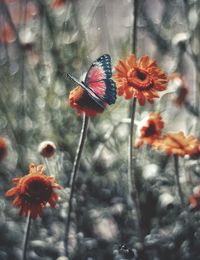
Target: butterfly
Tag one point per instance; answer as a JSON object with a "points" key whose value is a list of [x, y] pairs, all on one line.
{"points": [[98, 83]]}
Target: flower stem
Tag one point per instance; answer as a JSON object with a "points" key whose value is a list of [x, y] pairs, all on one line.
{"points": [[26, 236], [47, 166], [180, 192], [135, 15], [73, 175], [133, 190], [130, 168]]}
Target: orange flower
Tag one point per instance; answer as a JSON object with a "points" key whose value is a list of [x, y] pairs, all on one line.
{"points": [[178, 144], [181, 89], [82, 102], [3, 148], [151, 130], [181, 93], [194, 200], [33, 191], [141, 79]]}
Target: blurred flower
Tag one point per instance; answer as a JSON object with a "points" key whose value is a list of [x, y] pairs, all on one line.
{"points": [[3, 148], [181, 39], [141, 79], [82, 102], [57, 3], [7, 35], [33, 191], [31, 10], [22, 11], [105, 228], [194, 199], [166, 200], [151, 130], [47, 149], [177, 143], [181, 89], [10, 1]]}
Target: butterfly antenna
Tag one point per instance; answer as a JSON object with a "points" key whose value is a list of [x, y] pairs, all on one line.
{"points": [[66, 75]]}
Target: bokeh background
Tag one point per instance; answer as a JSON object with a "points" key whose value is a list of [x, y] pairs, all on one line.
{"points": [[41, 41]]}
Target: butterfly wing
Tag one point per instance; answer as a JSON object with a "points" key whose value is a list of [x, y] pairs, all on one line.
{"points": [[98, 79], [89, 91]]}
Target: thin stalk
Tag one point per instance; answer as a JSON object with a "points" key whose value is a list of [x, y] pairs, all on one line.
{"points": [[180, 192], [26, 236], [46, 162], [131, 145], [133, 190], [135, 18], [74, 174]]}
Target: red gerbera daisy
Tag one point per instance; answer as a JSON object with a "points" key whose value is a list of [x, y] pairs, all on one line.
{"points": [[141, 79], [82, 102], [33, 191], [151, 130]]}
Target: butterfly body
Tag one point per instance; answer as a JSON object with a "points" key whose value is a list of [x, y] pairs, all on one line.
{"points": [[98, 84]]}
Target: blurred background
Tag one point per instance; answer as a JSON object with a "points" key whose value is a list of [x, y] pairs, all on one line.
{"points": [[41, 41]]}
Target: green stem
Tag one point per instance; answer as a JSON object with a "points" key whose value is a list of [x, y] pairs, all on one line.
{"points": [[46, 162], [130, 167], [133, 190], [180, 192], [135, 16], [73, 176], [26, 236]]}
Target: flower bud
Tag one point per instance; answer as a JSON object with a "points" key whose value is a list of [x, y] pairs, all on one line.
{"points": [[47, 149]]}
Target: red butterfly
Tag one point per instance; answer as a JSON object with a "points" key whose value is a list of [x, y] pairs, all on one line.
{"points": [[98, 83]]}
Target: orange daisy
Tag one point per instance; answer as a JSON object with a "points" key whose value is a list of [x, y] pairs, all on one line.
{"points": [[151, 130], [177, 143], [83, 103], [181, 89], [141, 79], [33, 191], [3, 148], [181, 93], [194, 199]]}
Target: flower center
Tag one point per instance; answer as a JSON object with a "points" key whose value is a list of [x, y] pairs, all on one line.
{"points": [[141, 75], [37, 191], [36, 186], [49, 149], [150, 131], [139, 79]]}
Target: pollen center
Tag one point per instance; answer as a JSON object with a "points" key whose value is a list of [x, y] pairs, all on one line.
{"points": [[139, 79], [49, 148], [38, 190], [36, 186], [151, 130], [141, 75]]}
